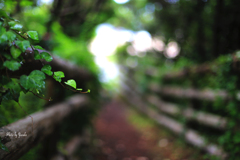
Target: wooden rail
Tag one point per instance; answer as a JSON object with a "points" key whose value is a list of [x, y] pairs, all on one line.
{"points": [[44, 123], [189, 92], [201, 69], [191, 136], [158, 110], [189, 113], [174, 109]]}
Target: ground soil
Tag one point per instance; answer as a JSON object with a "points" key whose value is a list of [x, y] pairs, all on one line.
{"points": [[119, 137]]}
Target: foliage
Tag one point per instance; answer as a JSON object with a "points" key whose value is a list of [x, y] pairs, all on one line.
{"points": [[60, 29], [75, 50], [2, 146], [14, 42]]}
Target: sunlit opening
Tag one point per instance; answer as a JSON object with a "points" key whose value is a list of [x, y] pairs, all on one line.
{"points": [[108, 39], [45, 1], [105, 43], [121, 1], [109, 69]]}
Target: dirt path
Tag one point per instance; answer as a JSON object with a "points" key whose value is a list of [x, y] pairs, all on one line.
{"points": [[120, 139]]}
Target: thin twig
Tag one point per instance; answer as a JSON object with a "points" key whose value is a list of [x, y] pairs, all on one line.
{"points": [[40, 97]]}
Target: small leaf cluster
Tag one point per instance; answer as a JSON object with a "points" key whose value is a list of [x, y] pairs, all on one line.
{"points": [[14, 42]]}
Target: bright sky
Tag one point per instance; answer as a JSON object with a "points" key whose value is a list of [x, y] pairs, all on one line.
{"points": [[105, 44], [117, 1], [108, 39], [45, 1], [121, 1]]}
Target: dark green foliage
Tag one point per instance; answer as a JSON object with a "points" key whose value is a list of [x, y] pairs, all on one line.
{"points": [[17, 43], [46, 56], [34, 81], [47, 69], [2, 146], [23, 45], [33, 35], [12, 65], [14, 41]]}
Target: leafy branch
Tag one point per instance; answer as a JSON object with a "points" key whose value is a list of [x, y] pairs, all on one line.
{"points": [[13, 44]]}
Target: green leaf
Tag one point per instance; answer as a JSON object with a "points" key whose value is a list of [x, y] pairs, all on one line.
{"points": [[88, 90], [10, 35], [58, 76], [23, 45], [7, 36], [3, 14], [37, 91], [38, 47], [7, 96], [2, 30], [47, 69], [15, 52], [4, 80], [3, 38], [12, 65], [16, 27], [71, 83], [3, 147], [13, 25], [7, 56], [79, 89], [34, 81], [46, 56], [33, 35], [15, 90], [37, 56]]}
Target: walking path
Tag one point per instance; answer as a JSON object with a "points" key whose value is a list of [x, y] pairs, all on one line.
{"points": [[124, 135]]}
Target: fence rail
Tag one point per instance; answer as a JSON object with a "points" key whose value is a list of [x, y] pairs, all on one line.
{"points": [[190, 92], [44, 123], [154, 107], [191, 136], [189, 113]]}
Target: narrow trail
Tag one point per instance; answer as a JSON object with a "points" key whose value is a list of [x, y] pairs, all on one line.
{"points": [[119, 139]]}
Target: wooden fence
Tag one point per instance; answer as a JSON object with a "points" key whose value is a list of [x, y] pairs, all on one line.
{"points": [[19, 137], [163, 112]]}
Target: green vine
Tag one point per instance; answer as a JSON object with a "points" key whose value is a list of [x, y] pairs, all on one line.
{"points": [[14, 43]]}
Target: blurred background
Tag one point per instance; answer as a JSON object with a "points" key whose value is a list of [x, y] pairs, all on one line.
{"points": [[167, 75]]}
